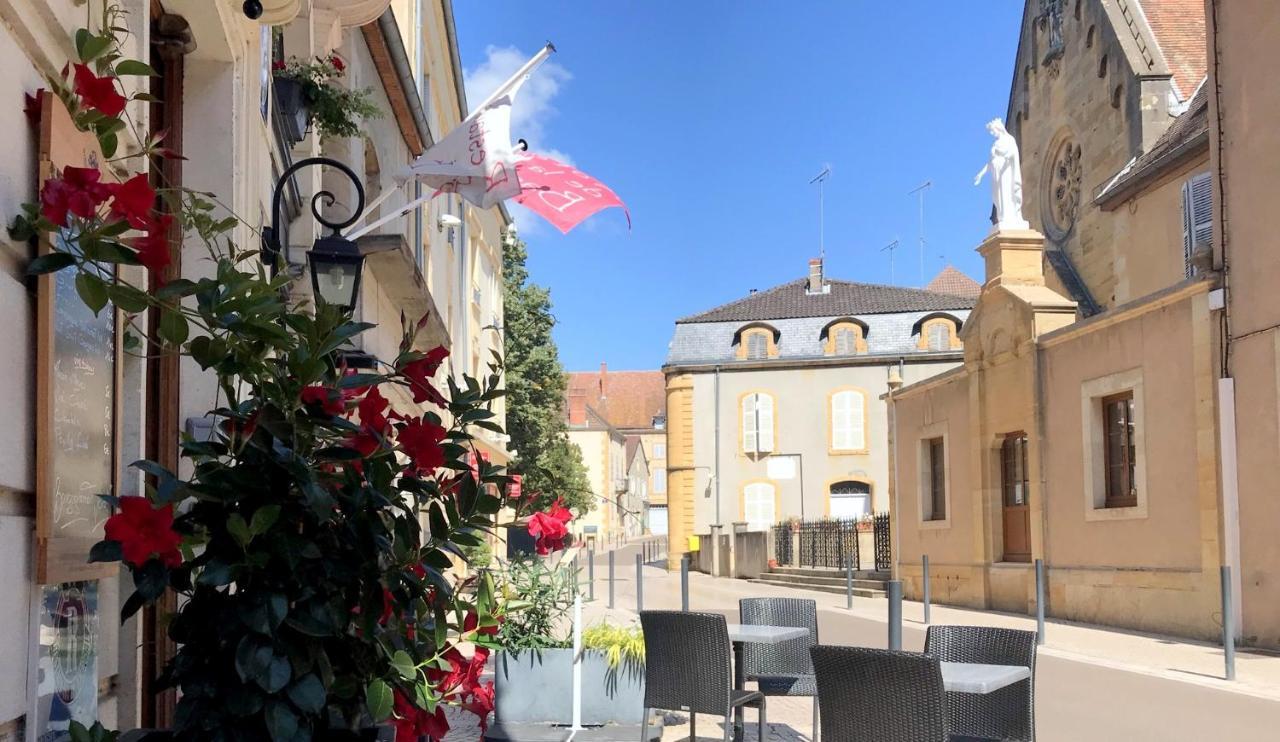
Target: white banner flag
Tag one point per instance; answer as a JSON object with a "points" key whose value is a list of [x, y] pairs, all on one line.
{"points": [[476, 159]]}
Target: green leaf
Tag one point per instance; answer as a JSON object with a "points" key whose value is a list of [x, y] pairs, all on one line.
{"points": [[134, 67], [50, 263], [277, 676], [282, 722], [82, 38], [173, 327], [263, 518], [92, 291], [403, 664], [377, 697], [92, 47], [128, 298], [239, 529], [151, 579], [253, 657], [176, 288], [307, 694], [214, 574], [106, 551], [108, 143]]}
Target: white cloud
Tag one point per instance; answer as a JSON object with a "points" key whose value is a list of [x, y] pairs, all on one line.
{"points": [[534, 105]]}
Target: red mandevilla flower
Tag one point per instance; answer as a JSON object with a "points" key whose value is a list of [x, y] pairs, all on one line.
{"points": [[481, 703], [337, 63], [420, 441], [329, 401], [153, 247], [133, 200], [144, 531], [420, 373], [411, 722], [77, 191], [550, 528], [99, 93]]}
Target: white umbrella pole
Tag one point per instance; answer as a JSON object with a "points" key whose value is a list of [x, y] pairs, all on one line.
{"points": [[577, 662], [369, 207], [407, 208]]}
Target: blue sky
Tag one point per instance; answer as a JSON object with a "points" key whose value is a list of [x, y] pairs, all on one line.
{"points": [[710, 118]]}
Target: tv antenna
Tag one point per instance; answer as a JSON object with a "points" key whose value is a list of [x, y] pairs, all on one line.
{"points": [[920, 189], [892, 247], [821, 180]]}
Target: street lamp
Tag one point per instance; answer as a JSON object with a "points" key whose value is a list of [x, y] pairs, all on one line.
{"points": [[336, 262]]}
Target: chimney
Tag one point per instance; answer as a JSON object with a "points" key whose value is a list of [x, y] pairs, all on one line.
{"points": [[577, 408], [815, 276], [604, 380]]}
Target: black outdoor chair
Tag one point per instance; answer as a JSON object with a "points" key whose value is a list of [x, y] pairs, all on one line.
{"points": [[1005, 714], [782, 669], [879, 694], [687, 668]]}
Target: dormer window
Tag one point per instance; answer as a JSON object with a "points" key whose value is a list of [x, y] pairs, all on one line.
{"points": [[844, 337], [938, 333], [757, 342]]}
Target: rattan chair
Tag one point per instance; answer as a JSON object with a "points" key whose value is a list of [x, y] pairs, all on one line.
{"points": [[879, 694], [1005, 714], [782, 669], [687, 668]]}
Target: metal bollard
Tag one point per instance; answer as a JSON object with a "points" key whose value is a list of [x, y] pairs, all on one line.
{"points": [[1228, 625], [926, 589], [895, 614], [1040, 601], [848, 585], [577, 576], [591, 574], [684, 583], [639, 584], [611, 554]]}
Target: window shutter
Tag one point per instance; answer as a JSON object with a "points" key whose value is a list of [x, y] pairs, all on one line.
{"points": [[758, 506], [844, 342], [1197, 217], [857, 418], [841, 421], [764, 414], [749, 423]]}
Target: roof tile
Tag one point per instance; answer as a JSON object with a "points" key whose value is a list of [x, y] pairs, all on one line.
{"points": [[844, 298]]}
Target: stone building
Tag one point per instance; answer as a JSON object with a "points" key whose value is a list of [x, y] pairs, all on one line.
{"points": [[1093, 424], [774, 406]]}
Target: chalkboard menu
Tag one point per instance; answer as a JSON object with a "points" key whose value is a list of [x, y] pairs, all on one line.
{"points": [[76, 391]]}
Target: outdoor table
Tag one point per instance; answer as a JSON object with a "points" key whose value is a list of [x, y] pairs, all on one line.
{"points": [[740, 634], [972, 677]]}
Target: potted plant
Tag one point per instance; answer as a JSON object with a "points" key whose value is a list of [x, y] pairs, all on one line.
{"points": [[312, 542], [311, 92], [534, 668]]}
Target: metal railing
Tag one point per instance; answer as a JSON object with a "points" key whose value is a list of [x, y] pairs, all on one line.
{"points": [[834, 543]]}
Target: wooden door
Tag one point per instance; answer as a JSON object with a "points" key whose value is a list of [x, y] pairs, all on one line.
{"points": [[1014, 487]]}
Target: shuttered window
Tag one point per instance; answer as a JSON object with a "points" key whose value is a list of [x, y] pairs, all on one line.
{"points": [[757, 346], [757, 423], [848, 418], [758, 506], [939, 336], [1197, 218]]}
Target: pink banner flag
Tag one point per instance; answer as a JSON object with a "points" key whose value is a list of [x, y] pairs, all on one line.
{"points": [[562, 194]]}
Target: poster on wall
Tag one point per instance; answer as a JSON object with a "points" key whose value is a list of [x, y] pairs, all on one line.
{"points": [[65, 664], [77, 379]]}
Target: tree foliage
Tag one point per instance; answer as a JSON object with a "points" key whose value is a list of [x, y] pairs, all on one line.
{"points": [[536, 383]]}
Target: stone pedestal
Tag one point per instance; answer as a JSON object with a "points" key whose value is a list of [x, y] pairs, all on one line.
{"points": [[1013, 257]]}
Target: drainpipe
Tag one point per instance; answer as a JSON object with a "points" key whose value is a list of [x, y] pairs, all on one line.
{"points": [[715, 468], [1230, 495]]}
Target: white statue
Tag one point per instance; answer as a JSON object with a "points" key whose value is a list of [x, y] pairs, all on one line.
{"points": [[1006, 178]]}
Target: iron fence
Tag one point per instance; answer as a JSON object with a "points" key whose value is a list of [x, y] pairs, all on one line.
{"points": [[833, 543]]}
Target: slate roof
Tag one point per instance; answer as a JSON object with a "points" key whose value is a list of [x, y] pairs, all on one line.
{"points": [[1179, 28], [626, 399], [1187, 135], [844, 298], [952, 281]]}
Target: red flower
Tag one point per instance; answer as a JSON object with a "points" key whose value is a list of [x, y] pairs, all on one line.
{"points": [[144, 531], [550, 529], [372, 410], [277, 65], [434, 726], [153, 248], [472, 621], [481, 703], [133, 201], [77, 191], [337, 63], [329, 401], [411, 722], [420, 373], [420, 441], [99, 93]]}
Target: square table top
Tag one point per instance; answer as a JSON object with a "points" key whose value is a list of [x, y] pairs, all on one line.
{"points": [[746, 633], [972, 677]]}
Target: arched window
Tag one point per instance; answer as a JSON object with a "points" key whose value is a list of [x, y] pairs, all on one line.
{"points": [[759, 505], [757, 342], [844, 337], [848, 421], [849, 500], [757, 422], [938, 333]]}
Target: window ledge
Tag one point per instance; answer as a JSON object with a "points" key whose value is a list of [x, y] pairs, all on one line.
{"points": [[1135, 512], [849, 451], [935, 525]]}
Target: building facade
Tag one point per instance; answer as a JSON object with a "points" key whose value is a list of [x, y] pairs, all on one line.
{"points": [[216, 104], [774, 406], [1094, 423]]}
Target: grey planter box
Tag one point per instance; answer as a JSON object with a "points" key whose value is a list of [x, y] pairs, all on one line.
{"points": [[295, 112], [537, 687]]}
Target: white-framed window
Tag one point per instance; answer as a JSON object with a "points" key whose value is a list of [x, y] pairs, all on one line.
{"points": [[757, 423], [759, 505], [848, 421], [659, 450], [1197, 218], [659, 481], [849, 500]]}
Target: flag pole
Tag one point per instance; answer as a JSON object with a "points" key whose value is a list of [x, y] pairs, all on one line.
{"points": [[527, 69]]}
